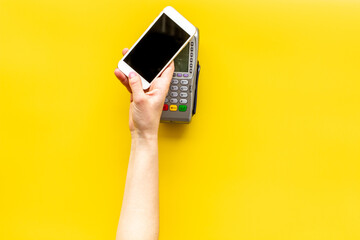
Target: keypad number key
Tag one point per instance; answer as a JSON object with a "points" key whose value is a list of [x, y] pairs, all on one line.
{"points": [[173, 94], [183, 88], [174, 88], [183, 94], [183, 101], [173, 100], [184, 82]]}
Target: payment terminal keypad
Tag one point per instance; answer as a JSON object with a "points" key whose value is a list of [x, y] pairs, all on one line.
{"points": [[177, 97]]}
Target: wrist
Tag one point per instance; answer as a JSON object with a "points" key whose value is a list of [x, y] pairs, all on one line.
{"points": [[144, 142], [145, 136]]}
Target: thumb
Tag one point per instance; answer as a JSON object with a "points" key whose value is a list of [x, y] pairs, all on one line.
{"points": [[136, 87]]}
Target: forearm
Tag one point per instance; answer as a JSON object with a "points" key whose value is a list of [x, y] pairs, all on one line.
{"points": [[139, 218]]}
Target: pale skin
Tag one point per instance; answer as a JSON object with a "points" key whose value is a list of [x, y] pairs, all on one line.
{"points": [[139, 217]]}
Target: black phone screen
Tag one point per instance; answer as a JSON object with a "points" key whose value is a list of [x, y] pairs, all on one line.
{"points": [[156, 48]]}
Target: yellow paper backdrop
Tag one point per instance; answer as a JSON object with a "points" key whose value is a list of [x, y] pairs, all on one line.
{"points": [[272, 153]]}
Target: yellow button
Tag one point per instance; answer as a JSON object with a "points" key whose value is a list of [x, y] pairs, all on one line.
{"points": [[173, 108]]}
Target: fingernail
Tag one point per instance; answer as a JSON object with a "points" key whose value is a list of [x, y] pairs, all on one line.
{"points": [[132, 74]]}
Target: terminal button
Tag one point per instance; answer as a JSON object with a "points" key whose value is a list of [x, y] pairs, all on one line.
{"points": [[184, 82], [174, 94], [174, 88], [182, 94], [182, 108], [173, 100], [179, 75], [173, 108], [166, 107], [183, 88], [183, 101]]}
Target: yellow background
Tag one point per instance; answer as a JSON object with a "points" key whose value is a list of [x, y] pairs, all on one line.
{"points": [[272, 153]]}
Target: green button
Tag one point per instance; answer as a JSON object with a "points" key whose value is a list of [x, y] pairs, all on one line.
{"points": [[182, 108]]}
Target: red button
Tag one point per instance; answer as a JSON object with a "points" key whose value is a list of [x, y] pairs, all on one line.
{"points": [[166, 107]]}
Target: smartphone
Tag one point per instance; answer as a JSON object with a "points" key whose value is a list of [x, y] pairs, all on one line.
{"points": [[167, 35]]}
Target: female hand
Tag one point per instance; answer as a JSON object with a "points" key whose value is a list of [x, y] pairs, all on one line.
{"points": [[146, 106]]}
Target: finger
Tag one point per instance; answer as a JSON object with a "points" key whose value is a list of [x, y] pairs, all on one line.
{"points": [[124, 51], [163, 82], [136, 87], [168, 72], [123, 79], [120, 75]]}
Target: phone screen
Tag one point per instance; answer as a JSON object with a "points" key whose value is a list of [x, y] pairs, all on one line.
{"points": [[156, 48]]}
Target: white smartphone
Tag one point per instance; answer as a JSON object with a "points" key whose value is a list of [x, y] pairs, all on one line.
{"points": [[167, 35]]}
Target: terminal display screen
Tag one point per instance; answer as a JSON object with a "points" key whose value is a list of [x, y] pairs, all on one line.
{"points": [[182, 60]]}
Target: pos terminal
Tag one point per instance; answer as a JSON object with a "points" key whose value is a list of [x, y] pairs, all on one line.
{"points": [[180, 102]]}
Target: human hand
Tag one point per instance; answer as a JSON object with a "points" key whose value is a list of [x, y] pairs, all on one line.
{"points": [[145, 106]]}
